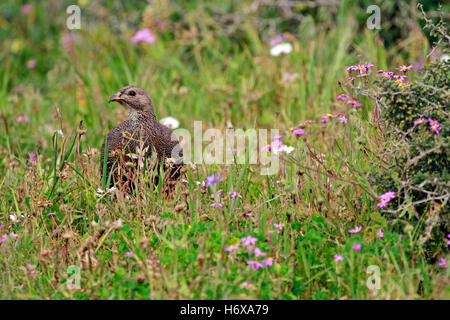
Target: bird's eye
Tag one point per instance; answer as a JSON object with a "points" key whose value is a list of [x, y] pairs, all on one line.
{"points": [[132, 93]]}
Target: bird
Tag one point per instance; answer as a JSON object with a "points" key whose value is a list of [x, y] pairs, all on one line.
{"points": [[140, 134]]}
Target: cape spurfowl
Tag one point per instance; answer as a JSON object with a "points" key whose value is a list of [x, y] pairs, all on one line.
{"points": [[138, 136]]}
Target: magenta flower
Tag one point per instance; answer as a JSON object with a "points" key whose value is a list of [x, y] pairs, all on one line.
{"points": [[357, 247], [355, 230], [277, 137], [279, 225], [145, 35], [232, 248], [404, 68], [3, 238], [310, 121], [343, 119], [258, 252], [338, 258], [298, 132], [385, 198], [22, 118], [267, 262], [128, 254], [249, 240], [329, 115], [343, 97], [419, 121], [380, 233], [254, 264], [26, 8], [351, 79], [443, 263], [434, 126]]}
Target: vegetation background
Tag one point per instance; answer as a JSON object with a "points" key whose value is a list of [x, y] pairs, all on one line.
{"points": [[210, 61]]}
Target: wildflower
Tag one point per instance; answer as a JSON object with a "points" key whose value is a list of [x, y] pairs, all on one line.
{"points": [[22, 118], [51, 214], [298, 132], [356, 104], [279, 38], [380, 71], [3, 238], [357, 247], [13, 235], [279, 225], [283, 149], [324, 120], [267, 262], [355, 230], [170, 122], [212, 180], [434, 126], [128, 254], [234, 194], [343, 119], [419, 121], [13, 217], [310, 121], [31, 64], [380, 233], [278, 49], [33, 158], [385, 198], [338, 258], [100, 192], [443, 263], [388, 74], [217, 205], [26, 8], [60, 132], [249, 240], [329, 115], [232, 248], [259, 253], [254, 264], [145, 35], [277, 137], [266, 148], [351, 79], [343, 97], [249, 214], [218, 194], [404, 68]]}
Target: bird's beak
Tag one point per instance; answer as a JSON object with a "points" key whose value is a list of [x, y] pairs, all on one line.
{"points": [[114, 98]]}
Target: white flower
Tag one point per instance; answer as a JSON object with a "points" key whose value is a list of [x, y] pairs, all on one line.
{"points": [[283, 149], [60, 132], [170, 122], [281, 48], [100, 192], [13, 217], [445, 57]]}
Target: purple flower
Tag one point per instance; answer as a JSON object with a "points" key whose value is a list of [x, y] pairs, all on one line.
{"points": [[234, 194], [212, 180], [443, 263], [218, 194], [232, 248], [419, 121], [145, 35], [51, 214], [343, 119], [259, 253], [298, 132], [278, 225], [254, 264], [278, 39], [249, 240], [380, 233], [343, 97], [267, 262], [33, 158], [338, 258], [128, 254], [357, 247], [404, 68], [355, 230], [217, 205]]}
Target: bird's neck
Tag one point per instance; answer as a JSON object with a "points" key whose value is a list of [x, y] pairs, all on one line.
{"points": [[141, 116]]}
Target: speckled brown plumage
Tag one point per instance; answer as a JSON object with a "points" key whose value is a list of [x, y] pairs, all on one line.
{"points": [[141, 127]]}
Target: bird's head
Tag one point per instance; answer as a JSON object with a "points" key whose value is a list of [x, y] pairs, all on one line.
{"points": [[134, 99]]}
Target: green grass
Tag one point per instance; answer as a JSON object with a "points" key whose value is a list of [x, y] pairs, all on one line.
{"points": [[178, 241]]}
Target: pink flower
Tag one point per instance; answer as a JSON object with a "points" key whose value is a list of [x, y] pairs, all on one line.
{"points": [[278, 225], [298, 132], [145, 35], [259, 253], [342, 97], [33, 158], [380, 233], [357, 247], [343, 119], [234, 194], [3, 238], [249, 240], [434, 126], [338, 258], [13, 235], [26, 8], [128, 254], [404, 68], [232, 248], [329, 115], [385, 198], [355, 230], [217, 205], [267, 262], [420, 120], [443, 263], [254, 264], [22, 118]]}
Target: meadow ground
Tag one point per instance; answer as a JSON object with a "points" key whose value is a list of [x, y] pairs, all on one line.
{"points": [[62, 239]]}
